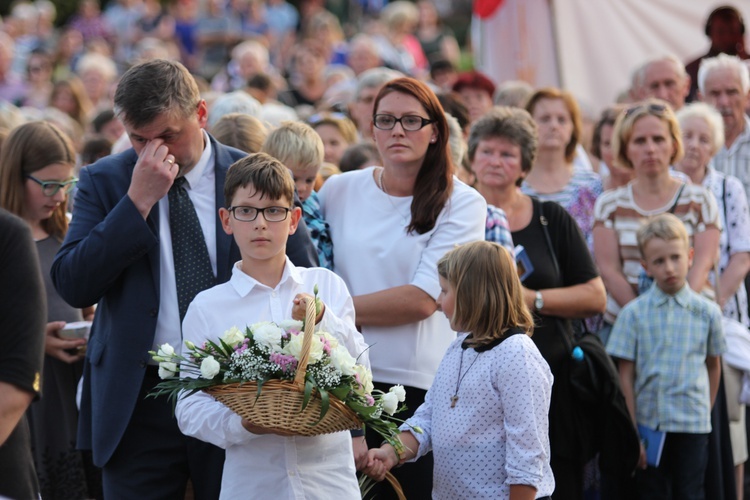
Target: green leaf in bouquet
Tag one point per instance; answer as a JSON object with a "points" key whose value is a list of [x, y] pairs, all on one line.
{"points": [[340, 392], [260, 383], [308, 394], [362, 409], [325, 403]]}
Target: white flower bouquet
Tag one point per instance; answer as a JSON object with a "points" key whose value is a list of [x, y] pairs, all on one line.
{"points": [[282, 378]]}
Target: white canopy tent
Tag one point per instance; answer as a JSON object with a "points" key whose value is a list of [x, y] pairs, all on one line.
{"points": [[589, 47]]}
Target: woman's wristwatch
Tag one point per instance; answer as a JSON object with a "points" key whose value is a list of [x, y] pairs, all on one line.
{"points": [[538, 301]]}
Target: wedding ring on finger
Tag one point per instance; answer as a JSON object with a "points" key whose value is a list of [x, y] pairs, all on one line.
{"points": [[171, 162]]}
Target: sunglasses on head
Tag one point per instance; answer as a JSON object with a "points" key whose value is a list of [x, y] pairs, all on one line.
{"points": [[653, 108], [319, 117]]}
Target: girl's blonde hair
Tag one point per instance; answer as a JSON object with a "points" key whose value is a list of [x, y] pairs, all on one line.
{"points": [[28, 148], [488, 293]]}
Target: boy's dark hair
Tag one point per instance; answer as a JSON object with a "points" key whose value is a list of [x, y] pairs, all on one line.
{"points": [[268, 176], [95, 148], [103, 118], [359, 156], [260, 81], [153, 88], [440, 66]]}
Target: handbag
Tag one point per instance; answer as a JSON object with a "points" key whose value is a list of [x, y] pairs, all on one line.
{"points": [[595, 411]]}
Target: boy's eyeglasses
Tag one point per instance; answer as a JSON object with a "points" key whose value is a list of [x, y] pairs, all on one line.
{"points": [[50, 188], [656, 109], [249, 214], [411, 123]]}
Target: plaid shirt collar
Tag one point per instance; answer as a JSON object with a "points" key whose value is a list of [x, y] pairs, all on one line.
{"points": [[682, 297]]}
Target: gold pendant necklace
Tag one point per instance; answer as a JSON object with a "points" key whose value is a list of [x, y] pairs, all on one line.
{"points": [[381, 185], [454, 398]]}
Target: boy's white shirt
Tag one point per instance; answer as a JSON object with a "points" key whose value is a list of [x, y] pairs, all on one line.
{"points": [[284, 467]]}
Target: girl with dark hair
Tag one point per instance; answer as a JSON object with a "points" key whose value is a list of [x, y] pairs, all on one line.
{"points": [[389, 226]]}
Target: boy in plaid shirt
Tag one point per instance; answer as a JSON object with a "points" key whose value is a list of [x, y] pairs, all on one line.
{"points": [[668, 344]]}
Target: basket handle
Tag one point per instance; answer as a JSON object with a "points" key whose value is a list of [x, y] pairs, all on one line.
{"points": [[310, 315]]}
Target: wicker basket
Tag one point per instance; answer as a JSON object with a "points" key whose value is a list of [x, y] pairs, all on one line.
{"points": [[279, 406]]}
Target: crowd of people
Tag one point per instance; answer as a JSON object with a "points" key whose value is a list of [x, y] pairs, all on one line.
{"points": [[130, 137]]}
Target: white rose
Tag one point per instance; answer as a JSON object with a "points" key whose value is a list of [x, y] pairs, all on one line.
{"points": [[389, 402], [167, 369], [365, 378], [400, 392], [343, 361], [165, 351], [291, 324], [233, 337], [210, 368], [268, 335], [294, 347]]}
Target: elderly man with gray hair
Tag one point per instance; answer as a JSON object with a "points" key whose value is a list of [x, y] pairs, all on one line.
{"points": [[724, 83], [664, 78]]}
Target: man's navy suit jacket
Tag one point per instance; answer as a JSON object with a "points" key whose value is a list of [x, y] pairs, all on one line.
{"points": [[110, 256]]}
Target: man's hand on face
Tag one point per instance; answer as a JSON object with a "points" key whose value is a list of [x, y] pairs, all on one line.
{"points": [[153, 175]]}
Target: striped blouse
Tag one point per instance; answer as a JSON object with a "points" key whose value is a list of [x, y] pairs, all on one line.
{"points": [[616, 209]]}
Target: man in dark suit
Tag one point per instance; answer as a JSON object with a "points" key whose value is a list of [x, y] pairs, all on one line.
{"points": [[119, 252]]}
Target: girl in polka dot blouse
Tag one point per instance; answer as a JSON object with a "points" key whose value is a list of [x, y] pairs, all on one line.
{"points": [[485, 416]]}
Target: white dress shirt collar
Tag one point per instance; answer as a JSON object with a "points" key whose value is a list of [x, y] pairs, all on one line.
{"points": [[195, 173], [244, 283]]}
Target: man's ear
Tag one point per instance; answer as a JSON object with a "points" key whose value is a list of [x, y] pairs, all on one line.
{"points": [[691, 253], [202, 113], [643, 265]]}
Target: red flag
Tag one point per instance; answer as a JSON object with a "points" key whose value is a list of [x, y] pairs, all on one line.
{"points": [[486, 8]]}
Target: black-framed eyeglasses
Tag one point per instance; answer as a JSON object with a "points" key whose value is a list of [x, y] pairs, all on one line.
{"points": [[411, 123], [249, 214], [653, 108], [50, 188]]}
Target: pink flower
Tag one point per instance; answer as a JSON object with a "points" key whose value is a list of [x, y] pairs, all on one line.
{"points": [[370, 400], [286, 362]]}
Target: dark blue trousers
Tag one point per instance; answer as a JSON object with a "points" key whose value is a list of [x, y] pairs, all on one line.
{"points": [[681, 472], [155, 460]]}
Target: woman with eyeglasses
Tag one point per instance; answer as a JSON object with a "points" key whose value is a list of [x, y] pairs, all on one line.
{"points": [[36, 176], [389, 226], [647, 139]]}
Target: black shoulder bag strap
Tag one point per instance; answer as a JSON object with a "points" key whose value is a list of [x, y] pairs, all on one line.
{"points": [[545, 223], [676, 200], [581, 324]]}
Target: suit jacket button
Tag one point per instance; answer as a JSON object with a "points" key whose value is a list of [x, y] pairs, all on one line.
{"points": [[142, 364], [153, 312]]}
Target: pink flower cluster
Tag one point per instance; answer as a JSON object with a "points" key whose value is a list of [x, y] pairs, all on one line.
{"points": [[286, 362], [326, 345], [243, 346]]}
